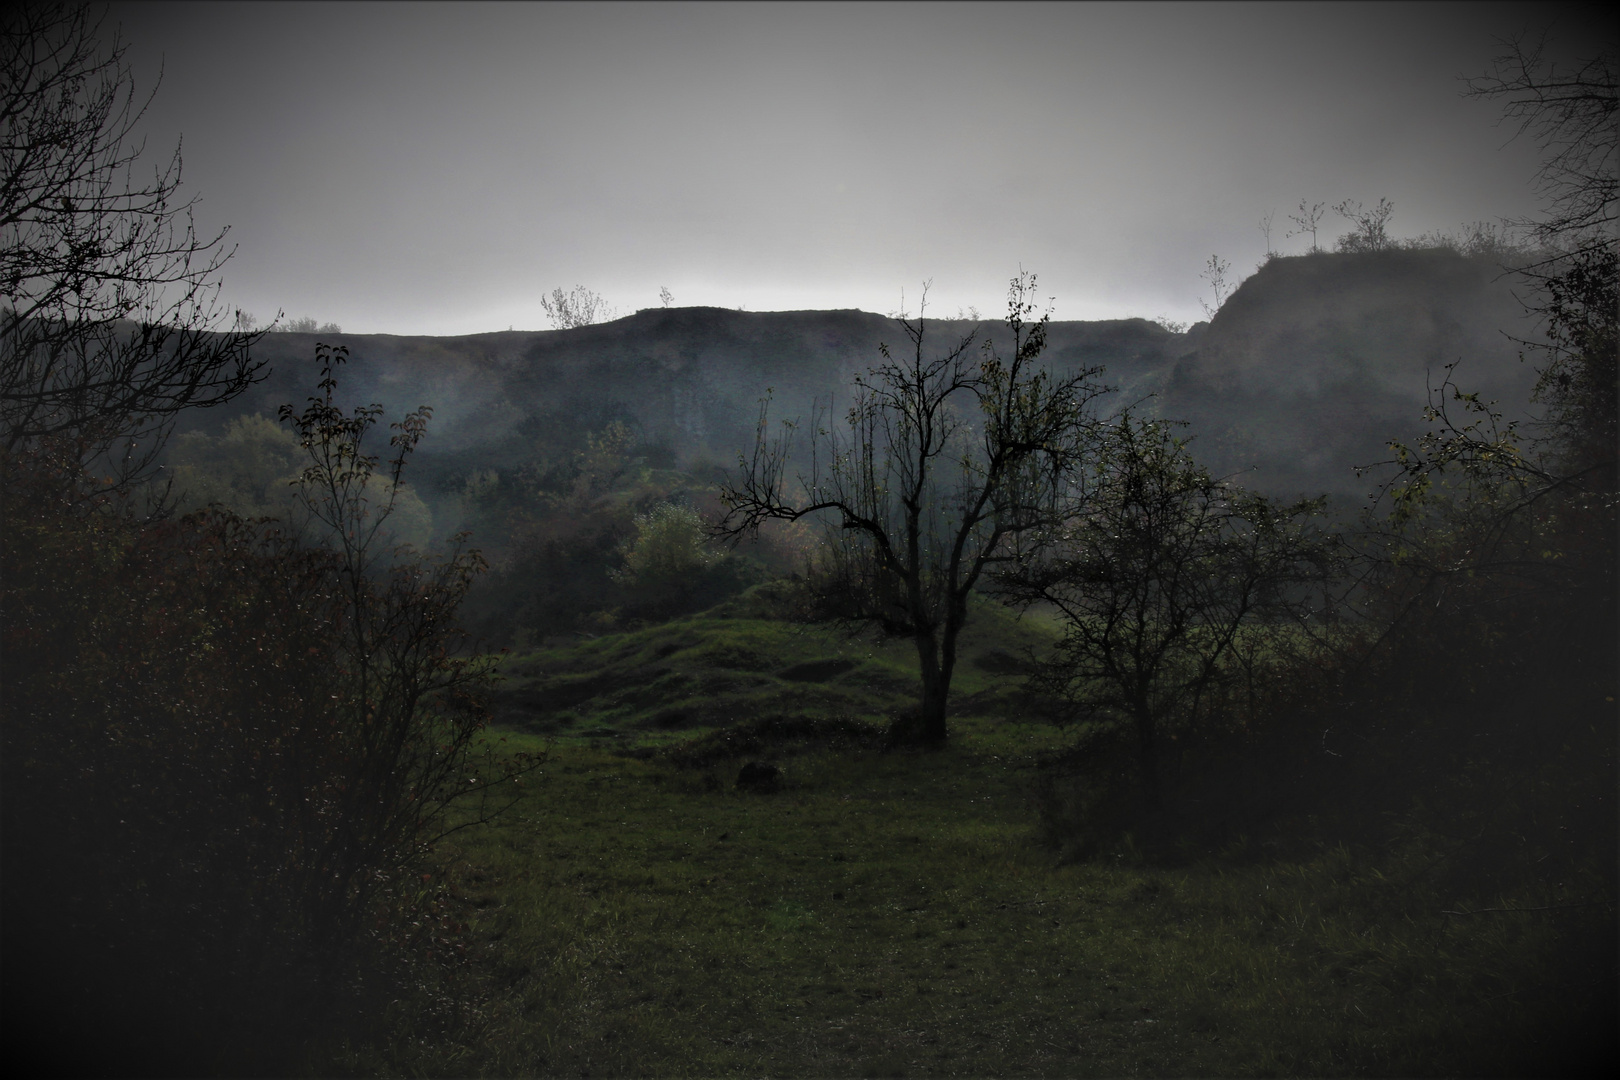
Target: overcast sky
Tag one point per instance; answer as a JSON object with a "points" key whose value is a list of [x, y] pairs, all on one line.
{"points": [[436, 168]]}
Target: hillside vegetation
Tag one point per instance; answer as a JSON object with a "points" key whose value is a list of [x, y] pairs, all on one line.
{"points": [[1317, 361], [546, 445]]}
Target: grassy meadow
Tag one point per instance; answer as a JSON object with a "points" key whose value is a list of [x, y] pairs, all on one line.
{"points": [[907, 913]]}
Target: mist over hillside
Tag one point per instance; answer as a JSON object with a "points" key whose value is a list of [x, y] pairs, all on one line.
{"points": [[1317, 361], [686, 379], [1308, 370]]}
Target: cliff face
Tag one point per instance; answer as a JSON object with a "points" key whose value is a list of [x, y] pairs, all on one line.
{"points": [[1316, 362], [1307, 371]]}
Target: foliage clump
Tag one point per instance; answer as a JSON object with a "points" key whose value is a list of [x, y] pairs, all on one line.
{"points": [[225, 752], [1180, 594]]}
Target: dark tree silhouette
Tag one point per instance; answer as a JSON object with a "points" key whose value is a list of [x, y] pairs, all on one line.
{"points": [[1570, 113], [1539, 500], [108, 326], [947, 462], [223, 750], [1505, 530], [1158, 575]]}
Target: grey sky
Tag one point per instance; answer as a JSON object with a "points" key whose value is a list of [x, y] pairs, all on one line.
{"points": [[435, 168]]}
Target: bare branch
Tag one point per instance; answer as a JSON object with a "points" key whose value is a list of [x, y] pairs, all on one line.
{"points": [[111, 322]]}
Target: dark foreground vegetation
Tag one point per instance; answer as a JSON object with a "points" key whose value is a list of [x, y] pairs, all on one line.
{"points": [[1394, 884], [1398, 885], [1056, 755]]}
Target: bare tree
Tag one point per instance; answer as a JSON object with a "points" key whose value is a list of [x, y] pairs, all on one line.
{"points": [[1489, 516], [1371, 232], [108, 326], [1571, 115], [408, 703], [1310, 214], [1215, 272], [581, 307], [947, 463], [1264, 225]]}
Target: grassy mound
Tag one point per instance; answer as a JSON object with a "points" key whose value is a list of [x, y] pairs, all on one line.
{"points": [[734, 665]]}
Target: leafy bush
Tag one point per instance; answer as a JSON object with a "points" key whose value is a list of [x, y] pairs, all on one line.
{"points": [[670, 544], [669, 569], [249, 469], [252, 470], [1173, 587], [224, 752]]}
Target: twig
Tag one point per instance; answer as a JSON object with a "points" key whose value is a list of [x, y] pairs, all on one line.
{"points": [[1548, 907]]}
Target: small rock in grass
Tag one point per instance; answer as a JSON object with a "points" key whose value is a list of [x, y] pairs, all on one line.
{"points": [[761, 777]]}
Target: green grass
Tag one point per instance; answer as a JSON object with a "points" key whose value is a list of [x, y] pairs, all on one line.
{"points": [[895, 914], [732, 666]]}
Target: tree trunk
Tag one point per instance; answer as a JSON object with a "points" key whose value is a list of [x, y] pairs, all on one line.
{"points": [[1147, 749], [936, 687]]}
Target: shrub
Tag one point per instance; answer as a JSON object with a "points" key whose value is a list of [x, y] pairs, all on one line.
{"points": [[224, 752], [669, 569]]}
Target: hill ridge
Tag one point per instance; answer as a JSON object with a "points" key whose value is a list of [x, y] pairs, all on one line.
{"points": [[1308, 369]]}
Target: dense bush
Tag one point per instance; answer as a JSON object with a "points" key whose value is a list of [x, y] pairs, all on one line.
{"points": [[224, 752], [598, 538], [252, 469], [165, 685], [669, 568]]}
